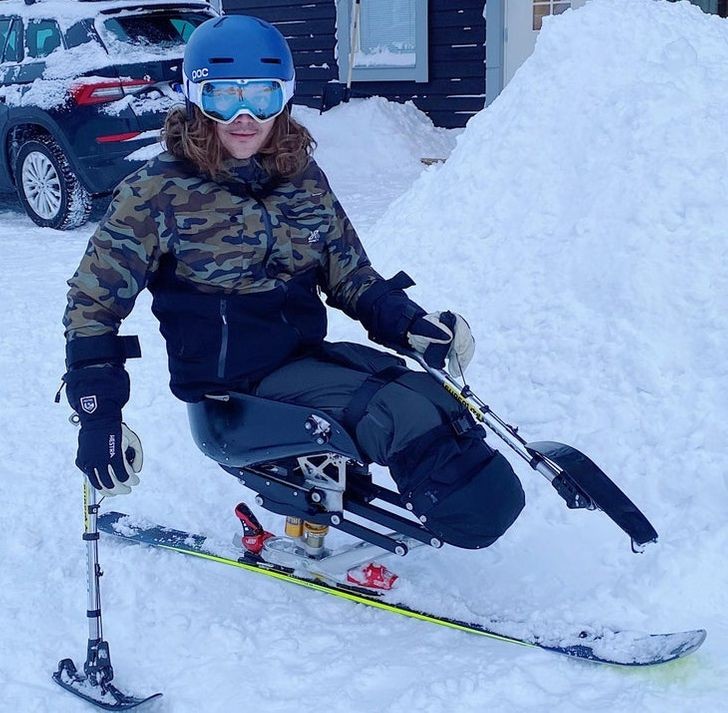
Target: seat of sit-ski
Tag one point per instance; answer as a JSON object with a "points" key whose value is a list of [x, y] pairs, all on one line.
{"points": [[238, 429]]}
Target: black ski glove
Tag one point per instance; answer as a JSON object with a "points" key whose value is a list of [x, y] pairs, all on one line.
{"points": [[109, 452]]}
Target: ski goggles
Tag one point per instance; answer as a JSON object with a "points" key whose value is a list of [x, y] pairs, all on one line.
{"points": [[224, 100]]}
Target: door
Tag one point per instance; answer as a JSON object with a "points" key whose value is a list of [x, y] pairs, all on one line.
{"points": [[522, 23]]}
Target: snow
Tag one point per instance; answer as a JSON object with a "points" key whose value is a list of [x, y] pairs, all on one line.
{"points": [[579, 225], [66, 12], [384, 56]]}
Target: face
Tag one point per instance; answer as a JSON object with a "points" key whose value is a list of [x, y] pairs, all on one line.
{"points": [[244, 137]]}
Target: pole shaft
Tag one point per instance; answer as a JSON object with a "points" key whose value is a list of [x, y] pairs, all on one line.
{"points": [[91, 534], [483, 413]]}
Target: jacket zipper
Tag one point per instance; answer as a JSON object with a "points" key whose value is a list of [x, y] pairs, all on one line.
{"points": [[269, 232], [222, 358]]}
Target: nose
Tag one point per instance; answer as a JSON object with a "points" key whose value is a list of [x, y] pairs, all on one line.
{"points": [[244, 121]]}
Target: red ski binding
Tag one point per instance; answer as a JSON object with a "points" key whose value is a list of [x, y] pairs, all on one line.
{"points": [[372, 576], [254, 536]]}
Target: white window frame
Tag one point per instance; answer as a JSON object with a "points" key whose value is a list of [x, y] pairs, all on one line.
{"points": [[550, 6], [417, 73]]}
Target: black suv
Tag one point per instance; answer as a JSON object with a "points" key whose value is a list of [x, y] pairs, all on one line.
{"points": [[84, 89]]}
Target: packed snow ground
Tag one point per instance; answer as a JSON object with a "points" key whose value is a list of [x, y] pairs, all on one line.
{"points": [[579, 224]]}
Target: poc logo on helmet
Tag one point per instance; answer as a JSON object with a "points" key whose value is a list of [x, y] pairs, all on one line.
{"points": [[199, 73]]}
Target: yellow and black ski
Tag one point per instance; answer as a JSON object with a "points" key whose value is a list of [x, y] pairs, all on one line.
{"points": [[592, 644]]}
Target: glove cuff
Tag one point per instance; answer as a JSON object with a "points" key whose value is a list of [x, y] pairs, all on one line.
{"points": [[386, 311], [97, 393]]}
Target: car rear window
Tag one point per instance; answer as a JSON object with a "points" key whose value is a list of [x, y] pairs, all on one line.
{"points": [[4, 27], [163, 30], [14, 43], [42, 37], [79, 33]]}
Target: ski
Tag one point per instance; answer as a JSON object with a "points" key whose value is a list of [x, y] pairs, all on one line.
{"points": [[599, 645], [105, 696]]}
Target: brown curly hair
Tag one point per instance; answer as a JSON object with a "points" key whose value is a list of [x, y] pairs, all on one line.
{"points": [[286, 153]]}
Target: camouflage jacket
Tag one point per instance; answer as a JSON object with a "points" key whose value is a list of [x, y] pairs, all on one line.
{"points": [[235, 268]]}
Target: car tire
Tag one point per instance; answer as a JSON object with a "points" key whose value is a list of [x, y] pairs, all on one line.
{"points": [[49, 190]]}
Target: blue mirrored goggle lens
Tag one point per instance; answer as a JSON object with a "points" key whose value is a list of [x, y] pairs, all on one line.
{"points": [[223, 99]]}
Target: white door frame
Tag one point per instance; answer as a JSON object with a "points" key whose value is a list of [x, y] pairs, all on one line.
{"points": [[510, 39]]}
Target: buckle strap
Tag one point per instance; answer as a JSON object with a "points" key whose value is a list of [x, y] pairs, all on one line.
{"points": [[357, 406], [401, 281], [83, 351], [464, 423]]}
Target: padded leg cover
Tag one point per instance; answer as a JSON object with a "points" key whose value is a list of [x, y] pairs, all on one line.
{"points": [[467, 492]]}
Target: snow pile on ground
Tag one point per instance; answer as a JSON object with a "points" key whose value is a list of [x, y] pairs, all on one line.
{"points": [[580, 226], [577, 224], [370, 146], [374, 136]]}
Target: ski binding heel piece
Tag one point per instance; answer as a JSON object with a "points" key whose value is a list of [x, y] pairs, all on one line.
{"points": [[372, 576]]}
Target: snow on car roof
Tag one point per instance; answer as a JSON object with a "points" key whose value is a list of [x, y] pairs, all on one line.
{"points": [[63, 66], [70, 11]]}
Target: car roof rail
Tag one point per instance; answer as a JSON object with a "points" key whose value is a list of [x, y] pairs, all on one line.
{"points": [[150, 4]]}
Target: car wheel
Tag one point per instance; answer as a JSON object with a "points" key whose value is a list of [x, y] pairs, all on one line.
{"points": [[48, 188]]}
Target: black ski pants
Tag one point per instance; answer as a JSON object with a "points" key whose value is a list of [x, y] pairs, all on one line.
{"points": [[402, 419]]}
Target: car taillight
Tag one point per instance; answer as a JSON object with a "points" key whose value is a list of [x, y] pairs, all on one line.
{"points": [[107, 90], [111, 138]]}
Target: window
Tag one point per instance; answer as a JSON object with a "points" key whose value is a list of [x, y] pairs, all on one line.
{"points": [[42, 37], [184, 27], [79, 33], [155, 30], [4, 27], [14, 43], [542, 8], [389, 41]]}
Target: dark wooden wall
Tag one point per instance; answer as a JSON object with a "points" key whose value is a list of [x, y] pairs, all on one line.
{"points": [[456, 87]]}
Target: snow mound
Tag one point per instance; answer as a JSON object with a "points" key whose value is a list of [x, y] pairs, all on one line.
{"points": [[579, 225], [375, 137], [589, 201]]}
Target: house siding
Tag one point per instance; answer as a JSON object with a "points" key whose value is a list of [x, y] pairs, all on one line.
{"points": [[456, 87]]}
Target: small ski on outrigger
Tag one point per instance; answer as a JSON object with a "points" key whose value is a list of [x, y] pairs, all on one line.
{"points": [[596, 644]]}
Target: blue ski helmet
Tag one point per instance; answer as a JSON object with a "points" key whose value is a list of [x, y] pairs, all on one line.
{"points": [[236, 47]]}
